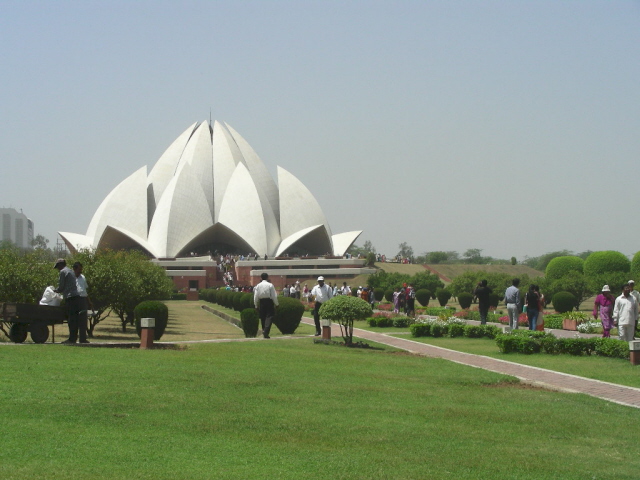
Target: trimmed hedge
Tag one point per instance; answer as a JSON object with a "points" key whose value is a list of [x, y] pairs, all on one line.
{"points": [[443, 295], [250, 320], [527, 342], [152, 309], [563, 302], [178, 296], [423, 296], [388, 295], [288, 315], [465, 300]]}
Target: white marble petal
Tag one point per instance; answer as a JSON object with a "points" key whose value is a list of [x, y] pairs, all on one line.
{"points": [[182, 214], [226, 155], [165, 168], [244, 211], [76, 241], [298, 207], [259, 172], [342, 241], [125, 208]]}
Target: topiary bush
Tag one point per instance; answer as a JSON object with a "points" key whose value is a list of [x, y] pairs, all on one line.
{"points": [[560, 266], [465, 299], [250, 320], [607, 261], [423, 296], [208, 295], [494, 300], [443, 295], [236, 301], [388, 295], [563, 302], [345, 310], [178, 296], [378, 294], [288, 315], [152, 309]]}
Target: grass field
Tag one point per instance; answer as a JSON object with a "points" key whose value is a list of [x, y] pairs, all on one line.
{"points": [[291, 409], [614, 370]]}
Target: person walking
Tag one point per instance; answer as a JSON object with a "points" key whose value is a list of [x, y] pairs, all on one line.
{"points": [[265, 299], [636, 295], [512, 299], [68, 287], [482, 293], [85, 301], [532, 300], [321, 293], [603, 306], [625, 313]]}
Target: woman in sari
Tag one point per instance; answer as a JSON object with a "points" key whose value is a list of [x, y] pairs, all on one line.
{"points": [[604, 305]]}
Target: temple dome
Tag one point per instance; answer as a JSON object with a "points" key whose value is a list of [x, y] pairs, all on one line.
{"points": [[210, 191]]}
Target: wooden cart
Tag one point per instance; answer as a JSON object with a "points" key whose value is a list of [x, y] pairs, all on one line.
{"points": [[25, 318]]}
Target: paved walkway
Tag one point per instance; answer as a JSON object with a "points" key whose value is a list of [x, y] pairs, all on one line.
{"points": [[564, 382]]}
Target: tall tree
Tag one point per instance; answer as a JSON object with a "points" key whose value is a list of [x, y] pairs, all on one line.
{"points": [[405, 250]]}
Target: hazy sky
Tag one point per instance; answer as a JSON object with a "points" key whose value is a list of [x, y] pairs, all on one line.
{"points": [[508, 126]]}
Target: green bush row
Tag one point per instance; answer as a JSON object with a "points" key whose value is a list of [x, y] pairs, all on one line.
{"points": [[535, 342], [453, 329], [437, 311], [398, 322], [287, 317]]}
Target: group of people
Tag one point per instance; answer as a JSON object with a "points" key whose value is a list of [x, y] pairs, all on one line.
{"points": [[265, 299], [404, 300], [621, 311], [73, 287]]}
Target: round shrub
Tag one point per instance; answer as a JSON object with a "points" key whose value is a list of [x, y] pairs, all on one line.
{"points": [[237, 301], [249, 320], [388, 295], [465, 299], [423, 296], [152, 309], [378, 294], [560, 266], [443, 295], [607, 261], [288, 315], [494, 300], [563, 302], [635, 267], [208, 295]]}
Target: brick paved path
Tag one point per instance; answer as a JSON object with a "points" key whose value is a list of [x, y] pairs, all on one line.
{"points": [[565, 382]]}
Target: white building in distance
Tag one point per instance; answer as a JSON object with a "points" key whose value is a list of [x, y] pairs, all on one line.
{"points": [[16, 227], [209, 192]]}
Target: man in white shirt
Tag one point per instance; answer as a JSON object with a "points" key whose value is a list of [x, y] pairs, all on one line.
{"points": [[625, 314], [346, 290], [85, 301], [265, 299], [636, 295], [322, 293]]}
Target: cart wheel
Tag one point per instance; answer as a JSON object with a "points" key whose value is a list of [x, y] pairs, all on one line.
{"points": [[39, 332], [18, 332]]}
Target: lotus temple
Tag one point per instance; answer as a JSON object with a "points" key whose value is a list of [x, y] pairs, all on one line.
{"points": [[210, 194]]}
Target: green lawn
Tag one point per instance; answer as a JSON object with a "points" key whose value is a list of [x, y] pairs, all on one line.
{"points": [[612, 370], [291, 409]]}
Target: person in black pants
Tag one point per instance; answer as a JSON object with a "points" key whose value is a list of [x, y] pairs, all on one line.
{"points": [[265, 299]]}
